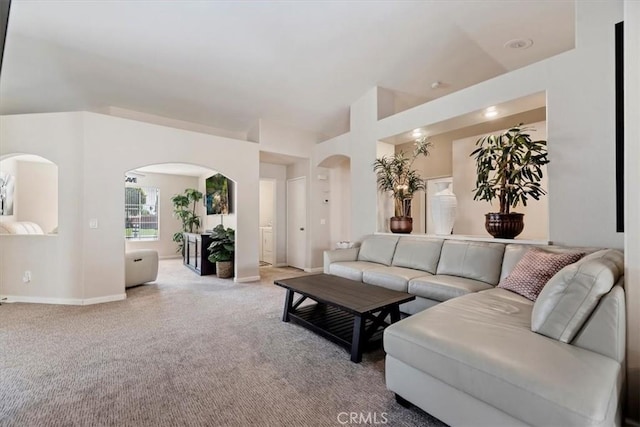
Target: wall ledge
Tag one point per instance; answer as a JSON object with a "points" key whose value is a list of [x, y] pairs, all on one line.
{"points": [[471, 238]]}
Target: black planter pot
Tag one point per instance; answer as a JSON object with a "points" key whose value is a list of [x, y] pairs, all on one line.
{"points": [[504, 226], [401, 224]]}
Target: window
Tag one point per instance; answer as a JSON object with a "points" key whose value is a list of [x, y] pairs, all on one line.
{"points": [[141, 213]]}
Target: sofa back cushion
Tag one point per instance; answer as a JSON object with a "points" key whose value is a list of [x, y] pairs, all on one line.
{"points": [[569, 298], [378, 249], [473, 260], [605, 331], [419, 254], [20, 227]]}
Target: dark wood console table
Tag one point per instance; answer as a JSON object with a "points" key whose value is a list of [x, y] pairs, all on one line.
{"points": [[196, 255]]}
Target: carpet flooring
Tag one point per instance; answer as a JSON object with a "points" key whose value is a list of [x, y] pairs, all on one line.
{"points": [[186, 350]]}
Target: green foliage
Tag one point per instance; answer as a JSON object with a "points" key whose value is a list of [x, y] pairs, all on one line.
{"points": [[223, 244], [509, 167], [184, 208], [133, 198], [395, 174]]}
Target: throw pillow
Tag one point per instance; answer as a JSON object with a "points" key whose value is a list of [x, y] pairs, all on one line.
{"points": [[534, 270]]}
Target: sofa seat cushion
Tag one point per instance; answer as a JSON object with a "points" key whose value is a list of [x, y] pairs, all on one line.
{"points": [[441, 287], [351, 269], [395, 278], [482, 345]]}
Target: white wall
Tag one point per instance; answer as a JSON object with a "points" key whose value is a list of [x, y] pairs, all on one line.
{"points": [[362, 151], [114, 146], [94, 151], [279, 174], [169, 186], [579, 121], [278, 138], [267, 205], [319, 216], [340, 202], [170, 122], [470, 214], [632, 203], [38, 194], [386, 205], [56, 261]]}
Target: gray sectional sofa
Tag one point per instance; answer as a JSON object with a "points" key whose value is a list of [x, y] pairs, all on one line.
{"points": [[485, 356]]}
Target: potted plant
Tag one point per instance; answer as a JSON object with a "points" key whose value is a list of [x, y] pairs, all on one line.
{"points": [[184, 208], [509, 168], [222, 250], [395, 175]]}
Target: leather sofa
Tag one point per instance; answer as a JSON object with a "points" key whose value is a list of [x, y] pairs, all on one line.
{"points": [[140, 266], [485, 356], [20, 227]]}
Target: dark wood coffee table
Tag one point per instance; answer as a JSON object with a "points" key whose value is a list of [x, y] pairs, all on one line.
{"points": [[346, 312]]}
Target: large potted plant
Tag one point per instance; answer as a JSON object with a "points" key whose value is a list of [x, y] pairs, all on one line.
{"points": [[222, 250], [509, 168], [394, 174], [184, 208]]}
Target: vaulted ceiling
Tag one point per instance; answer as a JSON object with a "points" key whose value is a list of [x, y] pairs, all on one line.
{"points": [[227, 64]]}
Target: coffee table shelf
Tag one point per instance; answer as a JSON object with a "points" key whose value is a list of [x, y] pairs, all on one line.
{"points": [[334, 324]]}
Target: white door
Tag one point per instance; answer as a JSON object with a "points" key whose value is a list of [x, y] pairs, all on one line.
{"points": [[297, 222]]}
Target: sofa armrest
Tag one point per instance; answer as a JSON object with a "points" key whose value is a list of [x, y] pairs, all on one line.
{"points": [[338, 255]]}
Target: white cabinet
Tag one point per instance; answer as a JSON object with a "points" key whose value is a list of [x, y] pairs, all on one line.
{"points": [[266, 244]]}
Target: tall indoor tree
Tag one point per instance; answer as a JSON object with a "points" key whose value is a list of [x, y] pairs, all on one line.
{"points": [[184, 208], [509, 168], [395, 175]]}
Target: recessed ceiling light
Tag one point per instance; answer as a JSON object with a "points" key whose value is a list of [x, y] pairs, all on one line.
{"points": [[519, 44], [491, 112], [417, 133]]}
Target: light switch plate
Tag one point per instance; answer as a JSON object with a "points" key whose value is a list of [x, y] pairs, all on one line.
{"points": [[93, 223]]}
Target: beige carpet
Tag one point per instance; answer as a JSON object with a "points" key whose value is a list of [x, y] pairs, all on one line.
{"points": [[187, 350]]}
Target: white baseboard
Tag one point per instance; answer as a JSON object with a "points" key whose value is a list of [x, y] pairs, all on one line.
{"points": [[62, 301], [314, 270], [246, 279], [176, 256], [108, 298], [41, 300]]}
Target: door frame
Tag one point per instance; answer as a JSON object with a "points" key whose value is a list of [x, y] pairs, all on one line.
{"points": [[274, 222], [306, 219]]}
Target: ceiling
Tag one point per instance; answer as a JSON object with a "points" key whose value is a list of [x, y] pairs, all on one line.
{"points": [[227, 64]]}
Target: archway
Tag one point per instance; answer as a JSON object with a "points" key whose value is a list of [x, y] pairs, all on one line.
{"points": [[28, 195], [159, 183]]}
